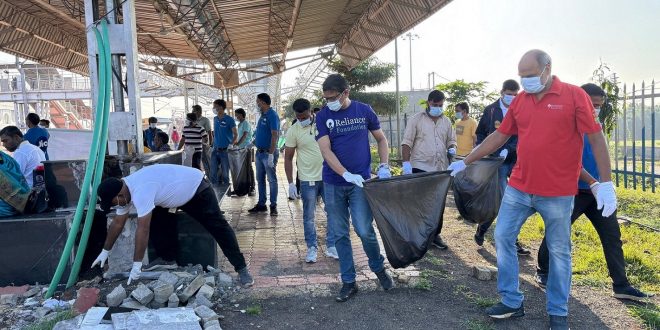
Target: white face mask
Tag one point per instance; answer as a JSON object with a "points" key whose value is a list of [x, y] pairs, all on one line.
{"points": [[336, 104], [507, 99], [435, 111], [597, 111], [306, 122], [533, 85], [152, 125], [215, 111]]}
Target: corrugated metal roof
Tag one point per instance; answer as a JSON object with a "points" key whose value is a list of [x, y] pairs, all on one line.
{"points": [[220, 32]]}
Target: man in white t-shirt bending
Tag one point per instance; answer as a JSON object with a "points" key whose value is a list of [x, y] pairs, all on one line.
{"points": [[153, 190]]}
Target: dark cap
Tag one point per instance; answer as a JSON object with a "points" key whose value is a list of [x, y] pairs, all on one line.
{"points": [[107, 191]]}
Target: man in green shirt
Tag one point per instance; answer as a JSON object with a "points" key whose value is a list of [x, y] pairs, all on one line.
{"points": [[301, 137]]}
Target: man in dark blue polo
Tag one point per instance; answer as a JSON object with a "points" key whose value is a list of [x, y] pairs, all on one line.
{"points": [[36, 134], [265, 141], [224, 134]]}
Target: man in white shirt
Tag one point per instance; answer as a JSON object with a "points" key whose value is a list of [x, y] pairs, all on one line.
{"points": [[155, 189], [27, 156]]}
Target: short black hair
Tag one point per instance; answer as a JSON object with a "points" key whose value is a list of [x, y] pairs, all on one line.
{"points": [[153, 120], [196, 107], [163, 137], [45, 122], [316, 109], [463, 106], [11, 131], [107, 191], [510, 85], [221, 103], [436, 96], [301, 105], [191, 116], [33, 118], [593, 90], [265, 98], [335, 82], [240, 111]]}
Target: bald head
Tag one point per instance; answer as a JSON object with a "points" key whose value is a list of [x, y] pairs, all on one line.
{"points": [[535, 63]]}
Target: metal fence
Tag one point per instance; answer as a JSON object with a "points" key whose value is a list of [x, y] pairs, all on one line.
{"points": [[635, 147]]}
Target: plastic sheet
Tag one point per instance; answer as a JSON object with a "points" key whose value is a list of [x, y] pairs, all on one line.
{"points": [[477, 190], [408, 210], [239, 166]]}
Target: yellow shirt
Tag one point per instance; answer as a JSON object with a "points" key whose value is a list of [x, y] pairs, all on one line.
{"points": [[308, 154], [466, 136]]}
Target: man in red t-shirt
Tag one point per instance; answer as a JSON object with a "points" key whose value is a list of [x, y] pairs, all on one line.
{"points": [[550, 119]]}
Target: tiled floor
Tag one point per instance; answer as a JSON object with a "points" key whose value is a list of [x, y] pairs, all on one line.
{"points": [[275, 248]]}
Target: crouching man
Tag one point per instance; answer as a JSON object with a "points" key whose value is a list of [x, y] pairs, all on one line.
{"points": [[153, 190]]}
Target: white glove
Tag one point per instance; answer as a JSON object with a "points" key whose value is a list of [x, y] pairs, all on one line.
{"points": [[456, 167], [407, 168], [384, 171], [353, 178], [605, 197], [452, 151], [101, 259], [293, 191], [271, 160], [504, 153], [135, 272]]}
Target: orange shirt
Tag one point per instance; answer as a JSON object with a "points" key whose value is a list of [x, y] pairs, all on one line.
{"points": [[550, 138]]}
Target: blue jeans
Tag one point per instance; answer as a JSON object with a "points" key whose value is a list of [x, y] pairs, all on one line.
{"points": [[516, 207], [339, 201], [219, 157], [503, 173], [263, 170], [310, 194]]}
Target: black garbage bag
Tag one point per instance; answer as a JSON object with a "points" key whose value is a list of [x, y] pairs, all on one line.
{"points": [[408, 210], [477, 191], [239, 166]]}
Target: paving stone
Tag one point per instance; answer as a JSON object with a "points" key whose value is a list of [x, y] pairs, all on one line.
{"points": [[212, 325], [86, 299], [155, 305], [32, 292], [164, 318], [183, 275], [14, 289], [206, 291], [210, 280], [132, 303], [142, 294], [206, 314], [192, 288], [173, 301], [31, 302], [162, 291], [201, 300], [94, 316], [167, 277], [224, 280], [41, 312], [9, 299], [115, 298]]}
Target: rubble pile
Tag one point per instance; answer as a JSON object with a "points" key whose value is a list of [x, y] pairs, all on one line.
{"points": [[186, 298]]}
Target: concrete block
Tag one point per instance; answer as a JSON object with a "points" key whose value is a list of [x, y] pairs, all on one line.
{"points": [[142, 294], [162, 291], [167, 277], [206, 291], [173, 301], [212, 325], [9, 299], [206, 314], [32, 292], [484, 273], [224, 280], [120, 258], [192, 288], [210, 280], [115, 298], [201, 300], [86, 298], [94, 316], [155, 305], [131, 303], [164, 318]]}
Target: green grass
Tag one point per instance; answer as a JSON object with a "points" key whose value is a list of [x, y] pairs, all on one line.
{"points": [[423, 283], [641, 206], [254, 310], [49, 324], [649, 314], [477, 325]]}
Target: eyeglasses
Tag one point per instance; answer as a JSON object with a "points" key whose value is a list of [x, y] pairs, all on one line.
{"points": [[333, 98]]}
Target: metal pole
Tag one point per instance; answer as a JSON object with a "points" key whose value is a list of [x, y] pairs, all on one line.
{"points": [[117, 90], [643, 140], [398, 97], [634, 144], [625, 139], [411, 71], [653, 136]]}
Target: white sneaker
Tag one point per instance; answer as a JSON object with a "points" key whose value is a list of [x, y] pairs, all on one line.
{"points": [[311, 254], [332, 252]]}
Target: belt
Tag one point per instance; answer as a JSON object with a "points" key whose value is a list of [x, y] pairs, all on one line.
{"points": [[221, 149], [263, 150]]}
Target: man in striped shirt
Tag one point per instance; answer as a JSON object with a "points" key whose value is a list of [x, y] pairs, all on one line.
{"points": [[193, 136]]}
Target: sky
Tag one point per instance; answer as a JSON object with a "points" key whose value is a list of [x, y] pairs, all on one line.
{"points": [[479, 40]]}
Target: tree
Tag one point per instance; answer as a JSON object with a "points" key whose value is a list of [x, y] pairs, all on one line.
{"points": [[606, 79], [474, 93]]}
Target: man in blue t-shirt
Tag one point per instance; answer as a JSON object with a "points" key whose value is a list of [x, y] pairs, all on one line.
{"points": [[343, 135], [224, 135], [606, 227], [266, 136], [36, 135], [149, 134]]}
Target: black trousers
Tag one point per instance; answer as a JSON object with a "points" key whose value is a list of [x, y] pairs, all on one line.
{"points": [[416, 170], [197, 160], [204, 208], [608, 232]]}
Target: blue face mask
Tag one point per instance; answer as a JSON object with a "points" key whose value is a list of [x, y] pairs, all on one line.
{"points": [[435, 111], [533, 85], [306, 122], [507, 99], [459, 115]]}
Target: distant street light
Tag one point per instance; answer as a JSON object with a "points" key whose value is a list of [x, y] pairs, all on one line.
{"points": [[410, 37]]}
